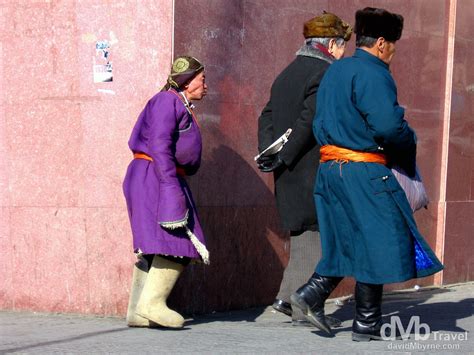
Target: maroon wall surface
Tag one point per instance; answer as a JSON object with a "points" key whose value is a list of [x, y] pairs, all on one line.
{"points": [[245, 44]]}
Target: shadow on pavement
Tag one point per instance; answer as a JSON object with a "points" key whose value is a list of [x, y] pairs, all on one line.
{"points": [[439, 316], [249, 315], [65, 340]]}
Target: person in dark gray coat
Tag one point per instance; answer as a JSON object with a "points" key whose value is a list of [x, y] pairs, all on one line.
{"points": [[292, 105]]}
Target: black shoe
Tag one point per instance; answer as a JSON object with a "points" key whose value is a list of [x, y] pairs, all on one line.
{"points": [[310, 299], [283, 307], [368, 318], [333, 322]]}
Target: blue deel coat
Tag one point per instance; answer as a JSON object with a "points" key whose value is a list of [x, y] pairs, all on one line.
{"points": [[366, 223]]}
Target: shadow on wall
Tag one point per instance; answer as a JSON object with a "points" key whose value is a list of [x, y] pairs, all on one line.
{"points": [[243, 238], [236, 208]]}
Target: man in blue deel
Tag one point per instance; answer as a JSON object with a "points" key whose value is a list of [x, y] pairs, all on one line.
{"points": [[367, 227]]}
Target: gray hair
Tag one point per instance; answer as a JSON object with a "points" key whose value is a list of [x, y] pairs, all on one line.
{"points": [[365, 41], [325, 41]]}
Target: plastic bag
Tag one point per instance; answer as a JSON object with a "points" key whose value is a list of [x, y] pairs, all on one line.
{"points": [[413, 187]]}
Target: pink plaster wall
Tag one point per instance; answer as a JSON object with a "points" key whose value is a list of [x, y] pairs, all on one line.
{"points": [[64, 233]]}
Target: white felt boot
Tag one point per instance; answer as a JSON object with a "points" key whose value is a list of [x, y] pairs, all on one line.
{"points": [[140, 273], [161, 279]]}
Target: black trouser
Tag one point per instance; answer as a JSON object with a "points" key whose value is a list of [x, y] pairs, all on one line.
{"points": [[182, 260]]}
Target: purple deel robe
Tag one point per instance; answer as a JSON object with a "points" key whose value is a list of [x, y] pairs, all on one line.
{"points": [[156, 195]]}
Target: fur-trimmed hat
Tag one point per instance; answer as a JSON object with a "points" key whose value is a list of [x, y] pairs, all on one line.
{"points": [[373, 22], [327, 25]]}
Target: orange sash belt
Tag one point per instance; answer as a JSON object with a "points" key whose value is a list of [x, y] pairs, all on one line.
{"points": [[180, 171], [344, 155], [142, 156]]}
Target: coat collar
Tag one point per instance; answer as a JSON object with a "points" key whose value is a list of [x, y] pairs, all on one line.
{"points": [[309, 50], [360, 53], [187, 104]]}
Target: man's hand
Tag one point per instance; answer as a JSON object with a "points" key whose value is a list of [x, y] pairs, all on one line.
{"points": [[270, 163]]}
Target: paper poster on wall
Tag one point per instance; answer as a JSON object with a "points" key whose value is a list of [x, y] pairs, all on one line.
{"points": [[102, 67]]}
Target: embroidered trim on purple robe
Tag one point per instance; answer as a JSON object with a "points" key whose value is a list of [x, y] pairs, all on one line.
{"points": [[176, 224]]}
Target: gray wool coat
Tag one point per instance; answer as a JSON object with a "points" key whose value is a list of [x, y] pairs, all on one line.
{"points": [[292, 104]]}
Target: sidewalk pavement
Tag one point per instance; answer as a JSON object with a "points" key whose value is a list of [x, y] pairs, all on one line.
{"points": [[447, 311]]}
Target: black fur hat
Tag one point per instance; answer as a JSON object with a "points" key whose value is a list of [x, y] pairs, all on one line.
{"points": [[373, 22]]}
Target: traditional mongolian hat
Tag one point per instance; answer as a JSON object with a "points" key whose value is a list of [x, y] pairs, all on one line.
{"points": [[327, 25], [375, 23], [183, 70]]}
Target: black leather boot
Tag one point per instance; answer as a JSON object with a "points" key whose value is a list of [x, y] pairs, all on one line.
{"points": [[297, 317], [311, 296], [282, 306], [368, 316]]}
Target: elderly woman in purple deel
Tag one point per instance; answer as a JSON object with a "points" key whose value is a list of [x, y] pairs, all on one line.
{"points": [[166, 144]]}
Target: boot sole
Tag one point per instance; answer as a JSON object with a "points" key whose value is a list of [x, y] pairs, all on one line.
{"points": [[368, 337], [161, 324], [131, 325], [364, 337], [136, 321], [303, 306], [143, 324]]}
